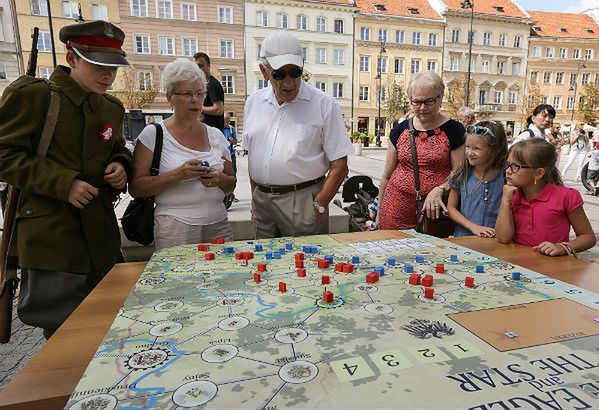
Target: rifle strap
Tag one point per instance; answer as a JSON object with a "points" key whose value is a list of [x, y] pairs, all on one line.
{"points": [[51, 120]]}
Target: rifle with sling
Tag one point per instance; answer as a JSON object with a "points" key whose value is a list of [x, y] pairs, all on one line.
{"points": [[8, 262]]}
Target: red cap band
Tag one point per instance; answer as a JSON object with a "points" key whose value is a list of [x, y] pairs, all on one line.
{"points": [[97, 41]]}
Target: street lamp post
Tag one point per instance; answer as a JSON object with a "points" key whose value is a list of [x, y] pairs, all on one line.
{"points": [[380, 92], [581, 64], [469, 4]]}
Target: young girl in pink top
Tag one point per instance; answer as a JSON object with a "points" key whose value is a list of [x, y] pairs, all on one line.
{"points": [[536, 208]]}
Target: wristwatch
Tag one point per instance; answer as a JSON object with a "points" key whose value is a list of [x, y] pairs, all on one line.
{"points": [[318, 207]]}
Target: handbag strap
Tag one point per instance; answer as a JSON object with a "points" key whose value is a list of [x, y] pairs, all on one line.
{"points": [[412, 134], [154, 169]]}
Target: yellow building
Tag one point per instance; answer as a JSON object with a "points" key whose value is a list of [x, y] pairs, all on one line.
{"points": [[392, 41]]}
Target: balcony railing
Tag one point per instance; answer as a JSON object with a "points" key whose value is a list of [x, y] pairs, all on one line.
{"points": [[495, 107]]}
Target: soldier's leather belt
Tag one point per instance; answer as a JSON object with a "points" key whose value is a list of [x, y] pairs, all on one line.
{"points": [[284, 189]]}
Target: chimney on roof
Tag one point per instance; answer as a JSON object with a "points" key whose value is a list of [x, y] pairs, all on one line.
{"points": [[380, 7], [413, 10]]}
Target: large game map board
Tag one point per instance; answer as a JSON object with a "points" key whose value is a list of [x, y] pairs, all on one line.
{"points": [[204, 334]]}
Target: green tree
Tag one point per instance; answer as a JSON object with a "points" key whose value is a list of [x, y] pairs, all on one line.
{"points": [[456, 95], [132, 91], [397, 104], [532, 97], [588, 109]]}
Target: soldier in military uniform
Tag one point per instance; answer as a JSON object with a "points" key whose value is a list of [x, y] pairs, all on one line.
{"points": [[67, 235]]}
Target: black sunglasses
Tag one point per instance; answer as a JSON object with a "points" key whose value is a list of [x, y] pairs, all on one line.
{"points": [[280, 74], [478, 130]]}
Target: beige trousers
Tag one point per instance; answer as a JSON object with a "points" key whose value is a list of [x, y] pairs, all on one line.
{"points": [[170, 232]]}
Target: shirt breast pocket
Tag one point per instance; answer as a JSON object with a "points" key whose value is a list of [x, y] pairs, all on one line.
{"points": [[303, 138]]}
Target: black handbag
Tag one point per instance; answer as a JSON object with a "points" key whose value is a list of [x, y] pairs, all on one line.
{"points": [[442, 227], [138, 220]]}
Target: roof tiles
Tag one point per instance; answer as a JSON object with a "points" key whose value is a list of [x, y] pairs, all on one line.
{"points": [[489, 7], [565, 25], [399, 8]]}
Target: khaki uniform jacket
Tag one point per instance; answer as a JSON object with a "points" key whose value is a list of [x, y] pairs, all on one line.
{"points": [[51, 233]]}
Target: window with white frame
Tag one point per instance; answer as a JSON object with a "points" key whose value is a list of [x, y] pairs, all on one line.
{"points": [[471, 37], [588, 54], [486, 66], [142, 43], [471, 62], [498, 98], [364, 64], [431, 65], [262, 84], [228, 83], [400, 36], [455, 35], [302, 22], [321, 24], [99, 12], [557, 102], [225, 49], [45, 72], [487, 39], [338, 90], [321, 55], [2, 71], [516, 67], [139, 8], [454, 64], [576, 54], [536, 51], [338, 26], [338, 56], [383, 35], [544, 99], [517, 41], [559, 78], [597, 79], [415, 66], [432, 39], [380, 94], [44, 42], [282, 20], [399, 66], [189, 12], [483, 96], [165, 9], [364, 34], [166, 45], [512, 97], [500, 67], [563, 52], [573, 78], [190, 46], [321, 86], [70, 9], [547, 77], [364, 93], [39, 7], [225, 14], [549, 52], [586, 78], [534, 77], [502, 40], [305, 53], [570, 102], [262, 18], [381, 65], [144, 80], [416, 37]]}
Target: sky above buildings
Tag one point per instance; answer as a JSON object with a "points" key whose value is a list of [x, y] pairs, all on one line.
{"points": [[558, 5]]}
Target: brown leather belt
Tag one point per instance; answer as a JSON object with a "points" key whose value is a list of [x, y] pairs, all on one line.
{"points": [[284, 189]]}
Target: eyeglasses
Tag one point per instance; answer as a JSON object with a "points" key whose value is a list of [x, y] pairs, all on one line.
{"points": [[280, 74], [428, 102], [478, 130], [189, 95], [515, 167]]}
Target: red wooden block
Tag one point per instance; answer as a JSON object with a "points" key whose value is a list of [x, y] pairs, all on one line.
{"points": [[414, 279], [282, 287], [213, 241], [326, 280], [327, 296], [440, 268], [209, 256], [247, 255], [372, 277], [239, 255], [427, 281], [429, 293], [348, 268], [299, 263], [220, 240], [257, 277], [469, 282], [339, 266], [301, 272], [322, 263], [203, 247], [299, 256], [262, 267]]}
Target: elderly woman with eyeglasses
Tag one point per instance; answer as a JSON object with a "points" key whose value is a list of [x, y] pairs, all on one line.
{"points": [[188, 193], [440, 148]]}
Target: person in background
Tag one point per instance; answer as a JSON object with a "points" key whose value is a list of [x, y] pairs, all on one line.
{"points": [[466, 116], [67, 234], [297, 145], [477, 186], [593, 171], [540, 120], [536, 208], [579, 148], [440, 147], [555, 137], [188, 194], [213, 108], [230, 134]]}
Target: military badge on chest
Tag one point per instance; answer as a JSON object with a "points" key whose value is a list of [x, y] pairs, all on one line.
{"points": [[106, 133]]}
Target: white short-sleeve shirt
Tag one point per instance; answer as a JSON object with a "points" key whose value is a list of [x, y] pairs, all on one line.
{"points": [[525, 135], [295, 141], [189, 201]]}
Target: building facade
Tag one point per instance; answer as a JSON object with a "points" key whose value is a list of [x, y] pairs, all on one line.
{"points": [[10, 58], [325, 32], [393, 42], [563, 58], [500, 31]]}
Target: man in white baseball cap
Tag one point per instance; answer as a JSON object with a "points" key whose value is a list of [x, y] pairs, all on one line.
{"points": [[297, 145]]}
